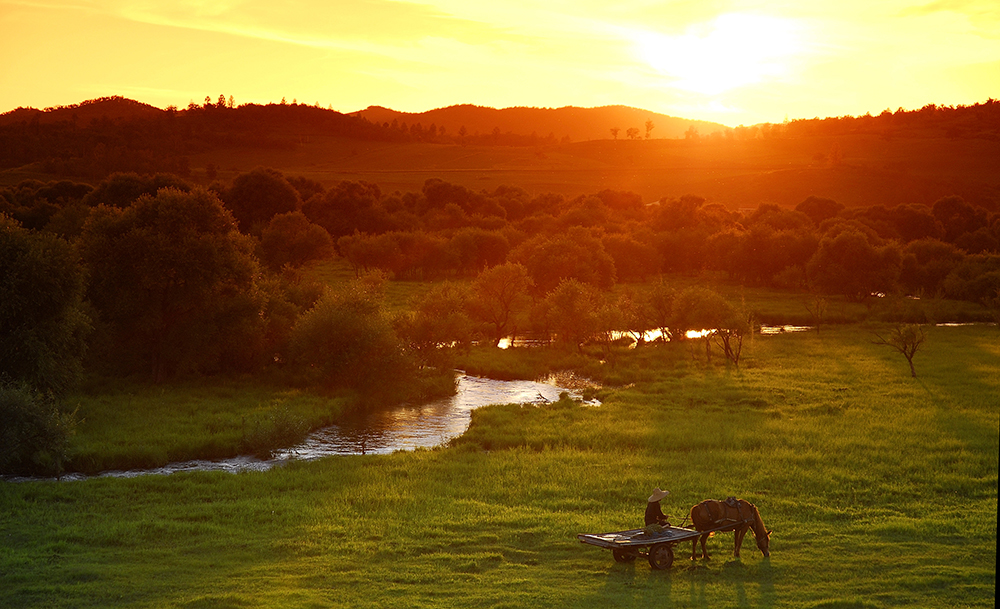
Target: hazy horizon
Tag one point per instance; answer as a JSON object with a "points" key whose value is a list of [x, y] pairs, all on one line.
{"points": [[722, 61]]}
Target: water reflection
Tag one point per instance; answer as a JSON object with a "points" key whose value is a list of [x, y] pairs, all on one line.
{"points": [[425, 425], [403, 428], [647, 336]]}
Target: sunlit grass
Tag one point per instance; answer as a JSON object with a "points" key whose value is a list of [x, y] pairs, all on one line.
{"points": [[143, 426], [880, 489]]}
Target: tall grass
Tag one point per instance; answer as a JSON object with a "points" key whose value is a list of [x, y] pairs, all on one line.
{"points": [[144, 426], [881, 491]]}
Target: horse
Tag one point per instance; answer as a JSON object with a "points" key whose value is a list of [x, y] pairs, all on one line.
{"points": [[739, 513]]}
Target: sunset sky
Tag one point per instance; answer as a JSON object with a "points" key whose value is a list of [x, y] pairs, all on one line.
{"points": [[731, 62]]}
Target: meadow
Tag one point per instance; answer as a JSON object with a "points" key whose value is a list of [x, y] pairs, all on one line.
{"points": [[870, 170], [881, 491]]}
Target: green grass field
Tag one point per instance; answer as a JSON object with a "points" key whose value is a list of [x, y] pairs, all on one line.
{"points": [[143, 426], [881, 491]]}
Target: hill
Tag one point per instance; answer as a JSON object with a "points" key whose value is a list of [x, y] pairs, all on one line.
{"points": [[903, 157], [568, 123], [105, 108]]}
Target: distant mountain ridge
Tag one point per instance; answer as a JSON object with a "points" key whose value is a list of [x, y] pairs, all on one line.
{"points": [[575, 123]]}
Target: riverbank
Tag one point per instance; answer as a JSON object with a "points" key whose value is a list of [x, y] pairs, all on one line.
{"points": [[881, 491]]}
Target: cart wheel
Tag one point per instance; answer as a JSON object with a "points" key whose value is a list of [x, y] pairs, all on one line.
{"points": [[622, 555], [661, 556]]}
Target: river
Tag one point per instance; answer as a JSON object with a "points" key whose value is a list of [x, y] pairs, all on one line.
{"points": [[402, 428]]}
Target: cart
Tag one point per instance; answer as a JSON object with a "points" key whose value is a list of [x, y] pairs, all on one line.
{"points": [[656, 546]]}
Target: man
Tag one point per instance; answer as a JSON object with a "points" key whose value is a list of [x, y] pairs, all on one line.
{"points": [[654, 515]]}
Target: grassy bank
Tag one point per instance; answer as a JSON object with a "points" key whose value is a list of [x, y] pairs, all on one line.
{"points": [[881, 491], [143, 426]]}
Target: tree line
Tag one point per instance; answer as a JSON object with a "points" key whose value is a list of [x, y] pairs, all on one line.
{"points": [[149, 275]]}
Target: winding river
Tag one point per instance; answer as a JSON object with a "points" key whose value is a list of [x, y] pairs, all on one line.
{"points": [[402, 428]]}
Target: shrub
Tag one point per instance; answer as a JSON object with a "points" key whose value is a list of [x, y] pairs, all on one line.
{"points": [[35, 432], [347, 340], [279, 428]]}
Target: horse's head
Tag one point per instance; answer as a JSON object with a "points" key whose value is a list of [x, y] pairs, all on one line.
{"points": [[764, 543]]}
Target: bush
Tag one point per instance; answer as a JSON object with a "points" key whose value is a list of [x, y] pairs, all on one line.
{"points": [[278, 429], [35, 433], [347, 340]]}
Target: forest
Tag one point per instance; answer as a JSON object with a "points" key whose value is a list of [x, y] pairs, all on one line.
{"points": [[150, 276]]}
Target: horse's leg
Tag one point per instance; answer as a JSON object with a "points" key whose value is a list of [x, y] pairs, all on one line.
{"points": [[738, 540], [704, 552], [694, 546]]}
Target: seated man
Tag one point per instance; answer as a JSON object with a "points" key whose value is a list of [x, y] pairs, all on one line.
{"points": [[654, 515]]}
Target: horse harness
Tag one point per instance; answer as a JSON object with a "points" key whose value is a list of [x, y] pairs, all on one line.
{"points": [[733, 502]]}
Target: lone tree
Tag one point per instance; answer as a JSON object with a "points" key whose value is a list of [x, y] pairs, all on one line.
{"points": [[906, 339]]}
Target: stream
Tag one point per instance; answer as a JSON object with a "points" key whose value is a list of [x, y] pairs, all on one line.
{"points": [[405, 427]]}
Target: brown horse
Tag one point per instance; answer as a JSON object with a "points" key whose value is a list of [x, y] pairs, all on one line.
{"points": [[735, 515]]}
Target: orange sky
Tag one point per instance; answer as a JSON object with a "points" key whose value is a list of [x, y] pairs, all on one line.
{"points": [[731, 62]]}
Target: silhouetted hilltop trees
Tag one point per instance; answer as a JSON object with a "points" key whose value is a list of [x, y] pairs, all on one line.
{"points": [[95, 138], [481, 124], [100, 137], [980, 120]]}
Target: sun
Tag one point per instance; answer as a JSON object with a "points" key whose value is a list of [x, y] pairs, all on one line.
{"points": [[733, 50]]}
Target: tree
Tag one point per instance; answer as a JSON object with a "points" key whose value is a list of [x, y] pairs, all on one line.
{"points": [[634, 260], [906, 339], [368, 252], [634, 315], [659, 306], [291, 239], [43, 326], [958, 217], [913, 222], [849, 264], [499, 299], [632, 133], [703, 311], [346, 207], [347, 339], [259, 195], [819, 209], [476, 249], [437, 322], [571, 312], [649, 128], [121, 189], [925, 265], [574, 254], [174, 282], [614, 132]]}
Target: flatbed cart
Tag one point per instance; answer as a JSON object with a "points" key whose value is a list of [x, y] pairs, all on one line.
{"points": [[657, 547]]}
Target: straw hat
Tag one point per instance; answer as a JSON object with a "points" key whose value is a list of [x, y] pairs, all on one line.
{"points": [[657, 495]]}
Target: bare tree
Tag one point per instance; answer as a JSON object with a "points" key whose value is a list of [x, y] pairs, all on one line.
{"points": [[817, 310], [906, 339]]}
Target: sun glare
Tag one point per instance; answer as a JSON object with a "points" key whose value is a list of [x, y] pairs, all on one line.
{"points": [[731, 51]]}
